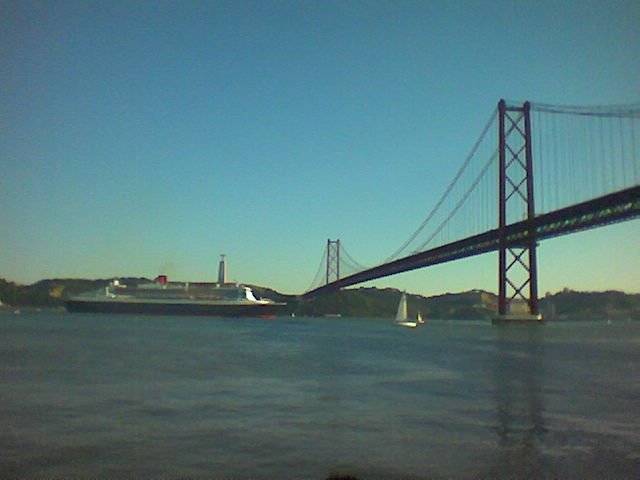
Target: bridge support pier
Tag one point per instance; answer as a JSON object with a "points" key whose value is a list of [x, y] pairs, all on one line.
{"points": [[517, 262]]}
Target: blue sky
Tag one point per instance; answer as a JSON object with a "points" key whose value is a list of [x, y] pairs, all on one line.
{"points": [[141, 138]]}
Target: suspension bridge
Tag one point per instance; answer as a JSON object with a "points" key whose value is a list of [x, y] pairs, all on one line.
{"points": [[537, 171]]}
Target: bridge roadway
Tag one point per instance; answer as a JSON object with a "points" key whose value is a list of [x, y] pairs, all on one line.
{"points": [[598, 212]]}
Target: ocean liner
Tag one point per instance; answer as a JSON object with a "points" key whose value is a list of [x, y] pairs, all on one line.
{"points": [[162, 297]]}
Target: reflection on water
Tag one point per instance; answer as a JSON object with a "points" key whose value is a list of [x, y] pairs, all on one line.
{"points": [[518, 374]]}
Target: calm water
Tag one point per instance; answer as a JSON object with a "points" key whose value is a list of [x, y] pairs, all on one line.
{"points": [[105, 396]]}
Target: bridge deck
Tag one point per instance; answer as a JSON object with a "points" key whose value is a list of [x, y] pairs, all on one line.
{"points": [[608, 209]]}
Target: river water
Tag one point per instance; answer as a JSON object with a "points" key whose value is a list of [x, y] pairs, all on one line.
{"points": [[130, 396]]}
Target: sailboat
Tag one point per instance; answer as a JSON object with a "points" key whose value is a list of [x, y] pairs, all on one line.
{"points": [[402, 319], [419, 319]]}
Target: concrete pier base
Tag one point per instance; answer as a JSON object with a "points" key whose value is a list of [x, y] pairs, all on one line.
{"points": [[518, 319]]}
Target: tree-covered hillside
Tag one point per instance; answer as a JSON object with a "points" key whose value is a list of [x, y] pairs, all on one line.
{"points": [[571, 305], [365, 302]]}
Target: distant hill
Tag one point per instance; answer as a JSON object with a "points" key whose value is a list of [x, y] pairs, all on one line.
{"points": [[571, 305], [364, 302], [50, 293], [383, 303]]}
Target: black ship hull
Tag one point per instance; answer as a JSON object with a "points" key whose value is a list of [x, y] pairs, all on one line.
{"points": [[191, 309]]}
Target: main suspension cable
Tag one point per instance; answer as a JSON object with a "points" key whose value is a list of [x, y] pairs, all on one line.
{"points": [[448, 190]]}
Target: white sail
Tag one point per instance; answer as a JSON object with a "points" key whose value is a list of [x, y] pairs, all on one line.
{"points": [[401, 314]]}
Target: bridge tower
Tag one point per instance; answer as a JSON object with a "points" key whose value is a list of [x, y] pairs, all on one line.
{"points": [[517, 264], [333, 260]]}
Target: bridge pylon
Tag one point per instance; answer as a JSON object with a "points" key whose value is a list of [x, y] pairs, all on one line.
{"points": [[517, 262], [333, 261]]}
